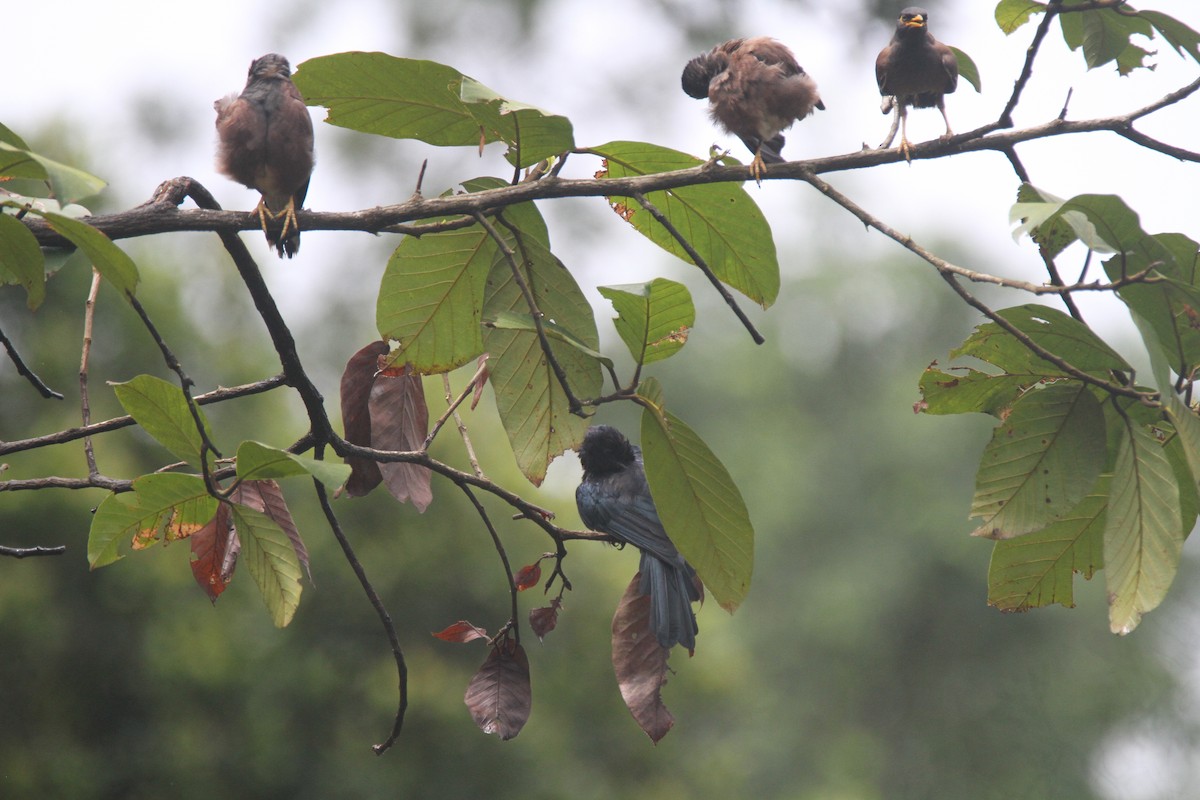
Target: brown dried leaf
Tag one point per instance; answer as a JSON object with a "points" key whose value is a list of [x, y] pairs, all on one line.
{"points": [[544, 620], [461, 631], [640, 663], [499, 696], [267, 497], [215, 548], [357, 380], [528, 576], [400, 421]]}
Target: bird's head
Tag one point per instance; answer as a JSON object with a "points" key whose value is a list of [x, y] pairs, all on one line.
{"points": [[913, 18], [272, 65], [605, 450]]}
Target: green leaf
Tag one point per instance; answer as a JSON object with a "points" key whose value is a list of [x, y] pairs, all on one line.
{"points": [[653, 319], [1041, 462], [403, 98], [720, 220], [531, 134], [1037, 569], [1142, 536], [431, 298], [1178, 35], [967, 390], [112, 262], [1169, 305], [21, 260], [967, 69], [1049, 328], [1012, 14], [268, 554], [67, 184], [515, 321], [257, 461], [1034, 209], [165, 507], [1104, 36], [162, 410], [533, 407], [699, 504]]}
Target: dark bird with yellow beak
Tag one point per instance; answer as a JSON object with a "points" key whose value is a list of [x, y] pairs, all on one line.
{"points": [[266, 144], [755, 90], [915, 70]]}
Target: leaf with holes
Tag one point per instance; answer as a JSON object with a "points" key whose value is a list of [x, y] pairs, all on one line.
{"points": [[653, 319]]}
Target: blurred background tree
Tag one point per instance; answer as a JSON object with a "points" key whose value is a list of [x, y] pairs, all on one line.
{"points": [[864, 663]]}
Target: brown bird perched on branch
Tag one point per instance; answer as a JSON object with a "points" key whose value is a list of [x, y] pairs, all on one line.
{"points": [[755, 90], [266, 143], [915, 70]]}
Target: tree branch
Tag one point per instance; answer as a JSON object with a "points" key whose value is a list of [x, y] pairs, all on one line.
{"points": [[25, 372]]}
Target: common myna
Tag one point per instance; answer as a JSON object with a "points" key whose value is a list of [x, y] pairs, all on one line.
{"points": [[755, 90], [916, 70], [266, 143]]}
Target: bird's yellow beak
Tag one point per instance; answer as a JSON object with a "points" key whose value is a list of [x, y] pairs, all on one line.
{"points": [[915, 22]]}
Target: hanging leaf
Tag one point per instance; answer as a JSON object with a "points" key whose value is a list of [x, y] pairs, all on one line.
{"points": [[967, 69], [258, 461], [21, 260], [162, 410], [720, 220], [162, 507], [653, 319], [701, 509], [400, 422], [640, 663], [215, 548], [270, 556], [1037, 569], [67, 184], [1042, 460], [357, 380], [499, 696], [461, 632], [1012, 14]]}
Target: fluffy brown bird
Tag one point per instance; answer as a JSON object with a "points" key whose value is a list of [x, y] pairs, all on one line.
{"points": [[755, 90], [266, 144], [915, 70]]}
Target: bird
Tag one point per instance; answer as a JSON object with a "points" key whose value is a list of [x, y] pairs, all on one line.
{"points": [[614, 498], [755, 90], [917, 70], [266, 143]]}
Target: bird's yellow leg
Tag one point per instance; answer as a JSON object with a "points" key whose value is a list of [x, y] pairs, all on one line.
{"points": [[905, 147], [757, 167], [288, 213]]}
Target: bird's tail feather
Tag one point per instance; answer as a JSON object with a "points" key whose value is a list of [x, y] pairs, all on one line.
{"points": [[672, 590]]}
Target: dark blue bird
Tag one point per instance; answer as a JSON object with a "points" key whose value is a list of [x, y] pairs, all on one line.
{"points": [[614, 498]]}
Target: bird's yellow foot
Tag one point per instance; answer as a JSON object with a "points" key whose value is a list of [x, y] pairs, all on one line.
{"points": [[757, 168], [287, 213], [906, 149]]}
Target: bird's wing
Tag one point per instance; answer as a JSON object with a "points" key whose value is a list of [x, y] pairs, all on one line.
{"points": [[241, 131], [950, 65], [883, 63], [627, 515], [770, 51]]}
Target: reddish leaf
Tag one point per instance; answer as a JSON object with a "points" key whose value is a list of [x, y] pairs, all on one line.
{"points": [[481, 379], [640, 663], [527, 577], [400, 421], [499, 697], [544, 620], [215, 549], [267, 497], [357, 380], [461, 631]]}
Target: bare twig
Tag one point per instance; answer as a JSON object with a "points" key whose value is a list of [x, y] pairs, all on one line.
{"points": [[950, 274], [538, 317], [508, 572], [380, 610], [29, 552], [25, 372], [452, 410], [84, 402], [700, 263], [116, 423]]}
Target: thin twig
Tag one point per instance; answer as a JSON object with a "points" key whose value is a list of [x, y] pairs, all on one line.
{"points": [[25, 372], [384, 617], [701, 264], [510, 256], [116, 423], [508, 571], [89, 315], [1043, 28], [451, 411], [29, 552], [453, 403], [950, 275]]}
